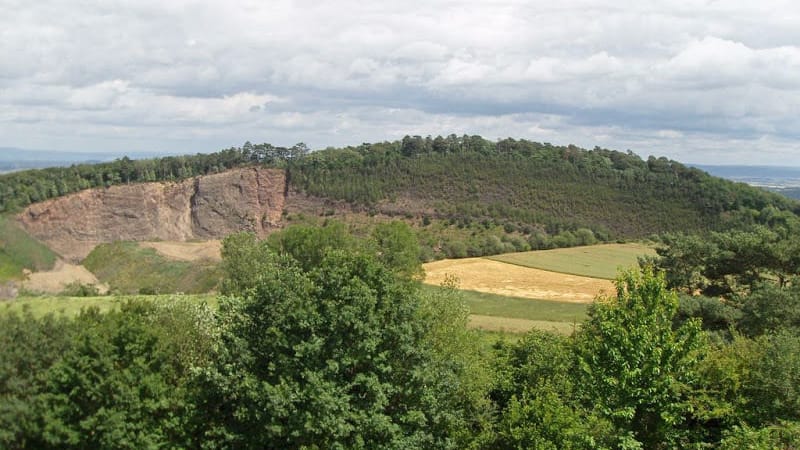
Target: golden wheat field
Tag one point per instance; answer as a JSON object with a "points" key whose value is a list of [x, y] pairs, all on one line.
{"points": [[494, 277]]}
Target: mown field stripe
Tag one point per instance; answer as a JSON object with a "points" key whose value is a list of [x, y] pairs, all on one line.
{"points": [[595, 261], [524, 308], [509, 325]]}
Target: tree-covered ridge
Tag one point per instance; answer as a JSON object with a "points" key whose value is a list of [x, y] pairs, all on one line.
{"points": [[538, 190], [527, 185]]}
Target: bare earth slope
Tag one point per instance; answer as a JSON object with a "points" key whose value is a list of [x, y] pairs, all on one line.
{"points": [[188, 251], [54, 281], [206, 207]]}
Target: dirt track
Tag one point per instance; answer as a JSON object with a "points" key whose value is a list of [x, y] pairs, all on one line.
{"points": [[187, 251], [483, 275], [54, 281]]}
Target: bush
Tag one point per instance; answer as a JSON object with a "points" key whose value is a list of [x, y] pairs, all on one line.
{"points": [[455, 249], [78, 289], [785, 435], [585, 236], [540, 241], [564, 239]]}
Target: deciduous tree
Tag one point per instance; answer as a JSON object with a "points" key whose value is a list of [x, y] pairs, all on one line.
{"points": [[637, 369]]}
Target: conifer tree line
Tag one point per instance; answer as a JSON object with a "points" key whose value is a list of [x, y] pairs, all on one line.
{"points": [[20, 189]]}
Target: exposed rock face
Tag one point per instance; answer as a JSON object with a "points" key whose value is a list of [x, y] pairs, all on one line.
{"points": [[206, 207]]}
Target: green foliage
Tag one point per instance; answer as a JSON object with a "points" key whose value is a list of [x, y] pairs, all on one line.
{"points": [[552, 190], [128, 268], [748, 386], [772, 388], [19, 251], [458, 358], [120, 384], [40, 306], [585, 236], [725, 373], [538, 398], [111, 380], [78, 289], [29, 347], [308, 244], [393, 243], [731, 262], [545, 420], [244, 259], [754, 270], [330, 357], [717, 315], [771, 308], [456, 239], [784, 436], [398, 248], [639, 371], [455, 249]]}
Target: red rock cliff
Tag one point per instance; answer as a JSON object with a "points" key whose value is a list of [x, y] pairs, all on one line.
{"points": [[206, 207]]}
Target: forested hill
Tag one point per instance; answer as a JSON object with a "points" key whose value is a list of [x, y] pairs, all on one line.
{"points": [[521, 184], [524, 187]]}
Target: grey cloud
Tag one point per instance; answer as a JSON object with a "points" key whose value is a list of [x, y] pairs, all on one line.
{"points": [[683, 77]]}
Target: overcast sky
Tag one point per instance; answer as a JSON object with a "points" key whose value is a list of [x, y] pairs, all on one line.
{"points": [[697, 81]]}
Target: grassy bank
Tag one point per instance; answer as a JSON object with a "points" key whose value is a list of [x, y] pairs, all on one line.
{"points": [[18, 251], [128, 268], [70, 306]]}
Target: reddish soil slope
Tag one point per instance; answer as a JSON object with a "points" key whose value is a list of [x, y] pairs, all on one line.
{"points": [[207, 207]]}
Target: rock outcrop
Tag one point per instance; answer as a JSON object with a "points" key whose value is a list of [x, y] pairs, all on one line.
{"points": [[206, 207]]}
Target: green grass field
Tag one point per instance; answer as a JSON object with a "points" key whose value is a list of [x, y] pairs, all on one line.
{"points": [[18, 250], [514, 314], [506, 312], [70, 306], [596, 261], [524, 308], [130, 269]]}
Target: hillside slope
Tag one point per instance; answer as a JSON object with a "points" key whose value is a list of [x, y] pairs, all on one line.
{"points": [[467, 196], [525, 185], [20, 251]]}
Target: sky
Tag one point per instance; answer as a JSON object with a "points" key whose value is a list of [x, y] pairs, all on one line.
{"points": [[714, 82]]}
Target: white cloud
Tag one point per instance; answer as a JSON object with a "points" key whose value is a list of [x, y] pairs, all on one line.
{"points": [[690, 78]]}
